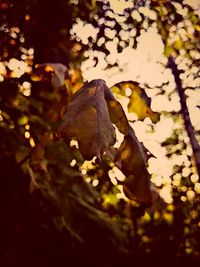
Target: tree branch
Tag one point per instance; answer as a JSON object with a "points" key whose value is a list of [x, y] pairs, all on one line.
{"points": [[184, 110]]}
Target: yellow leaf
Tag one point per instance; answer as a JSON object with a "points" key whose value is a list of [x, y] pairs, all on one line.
{"points": [[139, 101], [49, 68], [120, 88], [178, 44], [197, 27], [23, 120]]}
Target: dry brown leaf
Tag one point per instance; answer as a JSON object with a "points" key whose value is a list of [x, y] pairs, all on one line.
{"points": [[116, 112], [158, 203], [87, 120], [133, 165]]}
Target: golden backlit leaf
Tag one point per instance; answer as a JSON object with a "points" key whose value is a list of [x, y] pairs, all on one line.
{"points": [[178, 44], [75, 79], [87, 120], [197, 27], [139, 101], [144, 112], [49, 68], [140, 104], [118, 116], [132, 160], [120, 88], [170, 50], [55, 71]]}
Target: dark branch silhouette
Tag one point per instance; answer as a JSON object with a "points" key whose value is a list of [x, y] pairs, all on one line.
{"points": [[184, 110]]}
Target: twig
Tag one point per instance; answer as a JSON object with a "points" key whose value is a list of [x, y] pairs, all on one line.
{"points": [[22, 161]]}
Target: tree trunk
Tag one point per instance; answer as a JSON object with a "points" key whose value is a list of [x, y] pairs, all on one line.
{"points": [[184, 110]]}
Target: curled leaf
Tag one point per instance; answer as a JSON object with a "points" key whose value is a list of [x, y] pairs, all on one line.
{"points": [[132, 160], [87, 120], [158, 203], [118, 116], [116, 112]]}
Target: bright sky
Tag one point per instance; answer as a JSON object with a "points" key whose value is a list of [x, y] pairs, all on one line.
{"points": [[194, 3], [143, 65]]}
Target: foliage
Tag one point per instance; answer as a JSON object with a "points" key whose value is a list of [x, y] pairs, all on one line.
{"points": [[61, 205]]}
